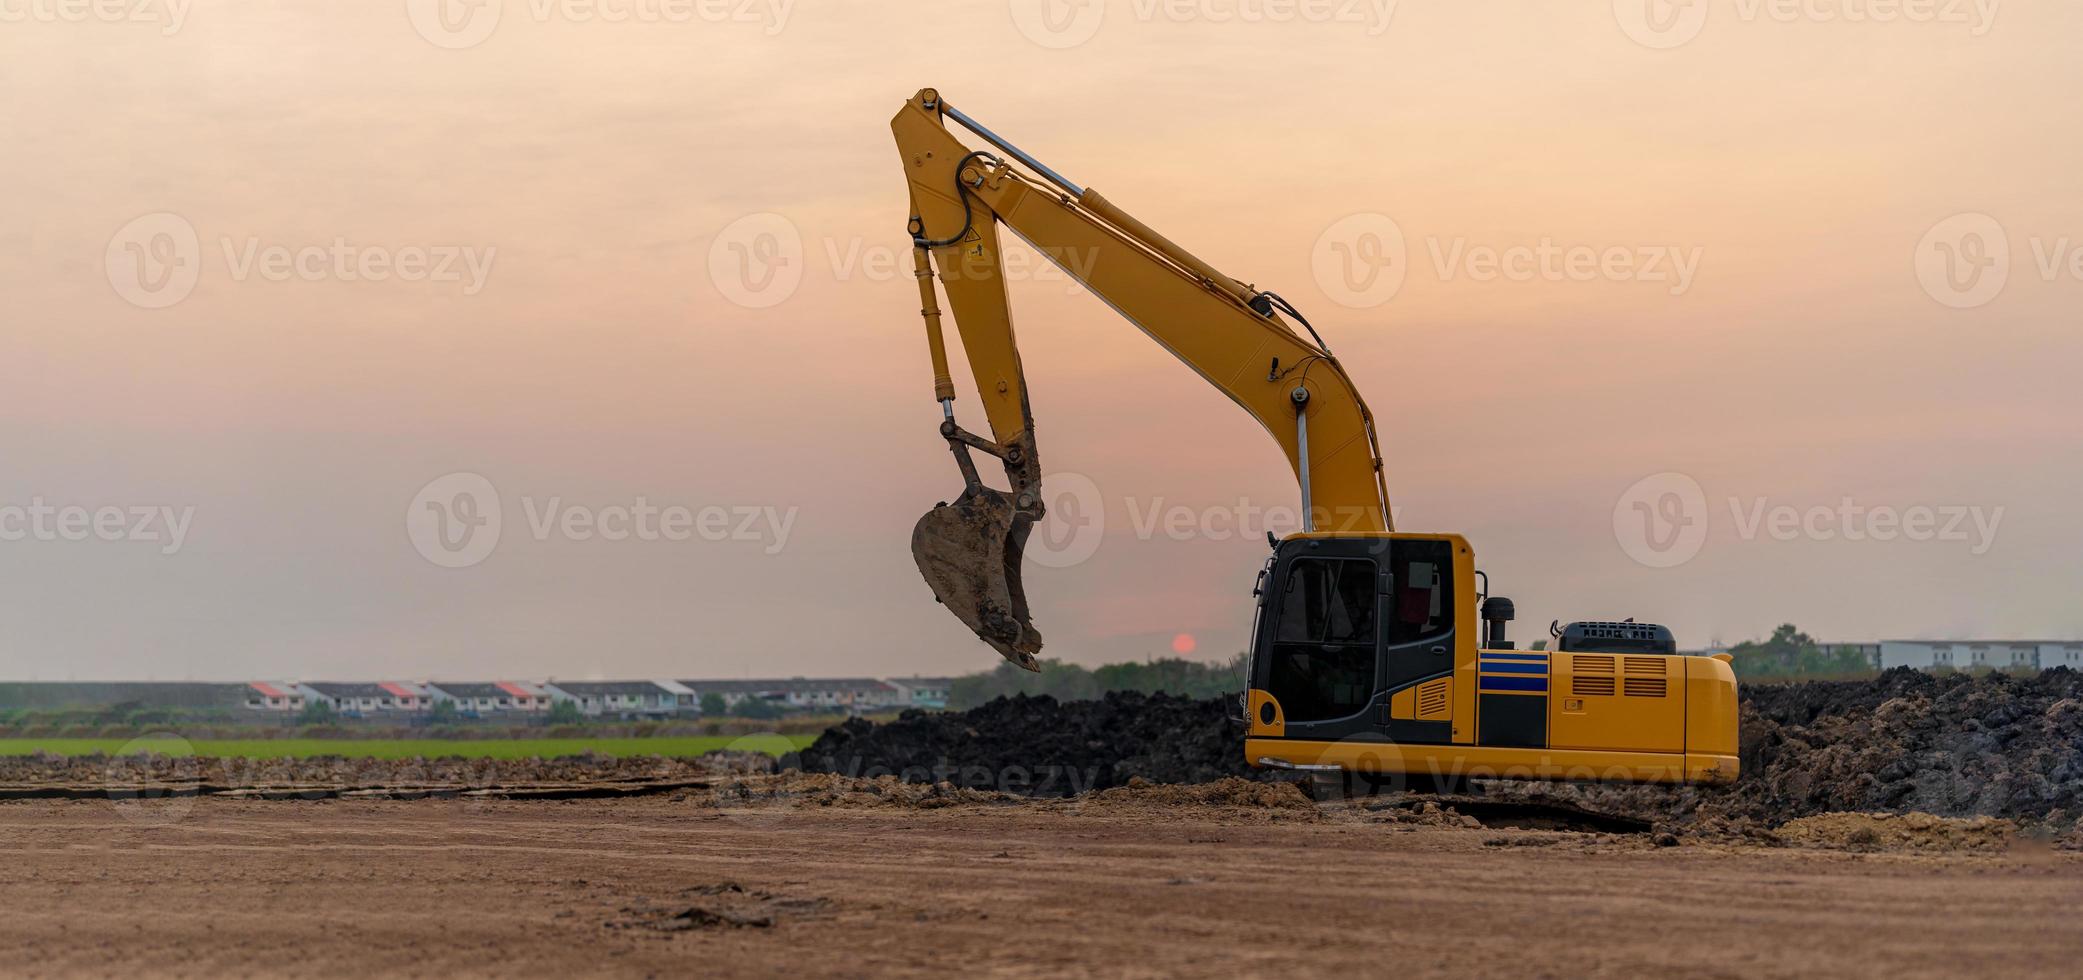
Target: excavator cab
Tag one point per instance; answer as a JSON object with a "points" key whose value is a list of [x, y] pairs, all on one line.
{"points": [[1367, 658], [1345, 625]]}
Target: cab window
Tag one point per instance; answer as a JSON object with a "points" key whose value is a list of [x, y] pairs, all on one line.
{"points": [[1421, 587], [1323, 650]]}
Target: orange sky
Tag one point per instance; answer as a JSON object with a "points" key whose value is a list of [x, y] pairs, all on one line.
{"points": [[595, 164]]}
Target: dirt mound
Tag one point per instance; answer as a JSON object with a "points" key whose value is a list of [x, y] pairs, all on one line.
{"points": [[1897, 831], [1954, 746], [1958, 746], [1039, 746], [1996, 746]]}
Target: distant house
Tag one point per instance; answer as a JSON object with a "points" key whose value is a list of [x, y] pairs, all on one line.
{"points": [[851, 694], [1981, 654], [269, 696], [496, 697], [385, 697], [922, 692], [2062, 654], [623, 698]]}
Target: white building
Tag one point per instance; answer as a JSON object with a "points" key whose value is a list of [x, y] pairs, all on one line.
{"points": [[922, 692], [497, 697], [624, 698], [285, 696], [2066, 653], [850, 694], [359, 699], [1981, 654]]}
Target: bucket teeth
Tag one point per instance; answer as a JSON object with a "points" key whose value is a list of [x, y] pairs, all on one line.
{"points": [[969, 553]]}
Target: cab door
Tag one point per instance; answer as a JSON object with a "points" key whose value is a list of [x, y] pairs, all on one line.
{"points": [[1417, 646], [1319, 639]]}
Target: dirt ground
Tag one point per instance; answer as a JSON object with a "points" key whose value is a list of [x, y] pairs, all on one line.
{"points": [[676, 885]]}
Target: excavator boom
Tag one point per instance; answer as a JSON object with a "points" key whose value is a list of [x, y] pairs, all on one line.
{"points": [[1234, 335]]}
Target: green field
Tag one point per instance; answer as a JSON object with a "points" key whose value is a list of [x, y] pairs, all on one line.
{"points": [[407, 748]]}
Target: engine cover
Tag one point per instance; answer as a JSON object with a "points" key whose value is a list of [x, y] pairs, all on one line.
{"points": [[1617, 638]]}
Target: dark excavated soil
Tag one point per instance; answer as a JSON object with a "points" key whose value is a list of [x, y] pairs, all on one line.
{"points": [[1041, 746], [1956, 746]]}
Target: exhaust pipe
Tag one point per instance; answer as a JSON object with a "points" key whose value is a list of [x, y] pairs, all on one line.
{"points": [[1497, 611]]}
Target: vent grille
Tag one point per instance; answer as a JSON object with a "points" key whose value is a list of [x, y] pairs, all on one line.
{"points": [[1645, 687], [1645, 665], [1432, 699], [1598, 686], [1583, 664]]}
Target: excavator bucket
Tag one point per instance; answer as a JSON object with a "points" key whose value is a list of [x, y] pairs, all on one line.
{"points": [[969, 552]]}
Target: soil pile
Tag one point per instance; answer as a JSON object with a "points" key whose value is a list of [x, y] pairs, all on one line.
{"points": [[1958, 746], [1039, 746]]}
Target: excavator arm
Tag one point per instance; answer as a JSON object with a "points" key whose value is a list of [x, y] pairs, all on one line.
{"points": [[1230, 333]]}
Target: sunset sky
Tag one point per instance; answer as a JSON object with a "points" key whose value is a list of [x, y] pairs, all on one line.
{"points": [[1826, 180]]}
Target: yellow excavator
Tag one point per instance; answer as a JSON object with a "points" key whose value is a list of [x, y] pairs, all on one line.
{"points": [[1367, 659]]}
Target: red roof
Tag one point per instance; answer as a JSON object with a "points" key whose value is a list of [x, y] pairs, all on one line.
{"points": [[399, 689], [515, 689], [269, 690]]}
